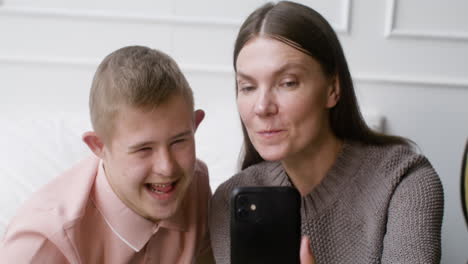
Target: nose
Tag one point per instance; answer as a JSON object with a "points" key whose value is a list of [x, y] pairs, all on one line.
{"points": [[266, 104], [164, 163]]}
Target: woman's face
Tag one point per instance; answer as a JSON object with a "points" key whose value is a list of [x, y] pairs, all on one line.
{"points": [[283, 99]]}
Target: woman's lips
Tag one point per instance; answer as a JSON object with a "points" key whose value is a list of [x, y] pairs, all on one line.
{"points": [[271, 133]]}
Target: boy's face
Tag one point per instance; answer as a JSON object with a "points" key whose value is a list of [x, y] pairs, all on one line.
{"points": [[150, 159]]}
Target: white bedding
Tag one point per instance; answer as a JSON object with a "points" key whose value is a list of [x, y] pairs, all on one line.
{"points": [[35, 149]]}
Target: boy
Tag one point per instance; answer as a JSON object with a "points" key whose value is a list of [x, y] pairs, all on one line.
{"points": [[144, 197]]}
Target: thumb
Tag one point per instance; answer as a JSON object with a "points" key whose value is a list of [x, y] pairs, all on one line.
{"points": [[305, 251]]}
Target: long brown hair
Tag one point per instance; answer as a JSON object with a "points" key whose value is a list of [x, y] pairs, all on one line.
{"points": [[305, 29]]}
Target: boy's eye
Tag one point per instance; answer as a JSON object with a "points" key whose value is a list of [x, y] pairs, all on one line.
{"points": [[181, 140], [144, 149]]}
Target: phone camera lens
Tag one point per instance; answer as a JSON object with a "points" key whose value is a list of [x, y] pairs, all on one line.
{"points": [[242, 200], [242, 213]]}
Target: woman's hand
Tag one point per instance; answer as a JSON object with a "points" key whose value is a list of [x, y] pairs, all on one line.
{"points": [[306, 252]]}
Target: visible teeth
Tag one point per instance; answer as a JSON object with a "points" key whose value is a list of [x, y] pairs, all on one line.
{"points": [[155, 185], [154, 190]]}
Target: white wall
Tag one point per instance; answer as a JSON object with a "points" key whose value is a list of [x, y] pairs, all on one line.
{"points": [[409, 60]]}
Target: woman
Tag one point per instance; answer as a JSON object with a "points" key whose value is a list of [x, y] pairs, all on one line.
{"points": [[366, 197]]}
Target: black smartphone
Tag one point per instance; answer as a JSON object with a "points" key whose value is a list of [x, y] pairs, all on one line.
{"points": [[265, 225]]}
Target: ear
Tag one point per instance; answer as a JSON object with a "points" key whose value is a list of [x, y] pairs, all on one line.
{"points": [[199, 116], [94, 143], [334, 92]]}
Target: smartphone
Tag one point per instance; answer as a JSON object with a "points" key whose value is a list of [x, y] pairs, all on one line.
{"points": [[265, 225]]}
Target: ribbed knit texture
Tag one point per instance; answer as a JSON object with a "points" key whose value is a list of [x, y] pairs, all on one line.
{"points": [[377, 204]]}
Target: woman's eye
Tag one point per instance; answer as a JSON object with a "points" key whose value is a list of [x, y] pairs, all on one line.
{"points": [[246, 88], [289, 84]]}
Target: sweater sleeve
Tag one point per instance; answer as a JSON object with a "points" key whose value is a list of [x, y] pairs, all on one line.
{"points": [[219, 225], [415, 218]]}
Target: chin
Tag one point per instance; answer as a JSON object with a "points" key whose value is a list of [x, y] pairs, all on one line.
{"points": [[273, 152], [272, 155], [161, 210], [162, 213]]}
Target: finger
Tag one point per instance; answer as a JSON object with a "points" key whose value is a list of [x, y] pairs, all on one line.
{"points": [[305, 252]]}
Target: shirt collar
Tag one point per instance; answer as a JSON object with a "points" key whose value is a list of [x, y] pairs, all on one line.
{"points": [[133, 229]]}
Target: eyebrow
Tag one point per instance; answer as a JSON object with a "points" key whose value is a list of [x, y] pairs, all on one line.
{"points": [[282, 69], [149, 142], [182, 134]]}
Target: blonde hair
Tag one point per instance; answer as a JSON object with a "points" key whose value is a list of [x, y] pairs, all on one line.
{"points": [[133, 76]]}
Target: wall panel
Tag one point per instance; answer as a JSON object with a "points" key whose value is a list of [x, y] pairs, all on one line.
{"points": [[70, 38], [408, 60], [148, 7], [233, 10], [431, 19], [337, 12]]}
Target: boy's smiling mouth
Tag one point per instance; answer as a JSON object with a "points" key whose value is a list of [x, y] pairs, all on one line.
{"points": [[161, 191]]}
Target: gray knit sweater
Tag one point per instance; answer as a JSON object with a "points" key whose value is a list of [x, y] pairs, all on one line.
{"points": [[377, 204]]}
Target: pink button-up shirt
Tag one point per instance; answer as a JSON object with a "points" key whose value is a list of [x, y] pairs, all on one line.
{"points": [[77, 218]]}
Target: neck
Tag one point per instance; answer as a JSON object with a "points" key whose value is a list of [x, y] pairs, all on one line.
{"points": [[307, 168]]}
